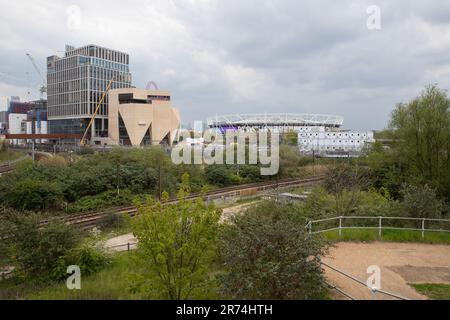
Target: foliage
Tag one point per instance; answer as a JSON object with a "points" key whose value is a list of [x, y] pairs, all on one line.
{"points": [[178, 244], [36, 248], [291, 162], [422, 132], [87, 256], [267, 254], [420, 202], [32, 194], [105, 199], [218, 175]]}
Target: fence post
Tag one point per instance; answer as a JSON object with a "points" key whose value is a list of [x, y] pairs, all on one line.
{"points": [[340, 226], [379, 227], [423, 228], [310, 227], [128, 245]]}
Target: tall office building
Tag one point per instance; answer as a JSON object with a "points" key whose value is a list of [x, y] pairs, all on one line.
{"points": [[76, 83]]}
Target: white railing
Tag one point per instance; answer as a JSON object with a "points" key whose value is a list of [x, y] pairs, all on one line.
{"points": [[374, 290], [340, 224]]}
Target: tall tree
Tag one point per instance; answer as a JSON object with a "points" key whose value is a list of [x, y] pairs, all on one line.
{"points": [[178, 241], [422, 130]]}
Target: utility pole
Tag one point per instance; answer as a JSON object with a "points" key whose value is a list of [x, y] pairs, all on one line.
{"points": [[32, 150], [160, 183], [118, 179]]}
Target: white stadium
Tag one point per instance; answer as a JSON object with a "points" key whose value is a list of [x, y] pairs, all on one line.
{"points": [[280, 122], [318, 134]]}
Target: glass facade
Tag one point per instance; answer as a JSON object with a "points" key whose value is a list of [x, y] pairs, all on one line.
{"points": [[77, 82]]}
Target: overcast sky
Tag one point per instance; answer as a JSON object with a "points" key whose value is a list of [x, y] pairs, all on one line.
{"points": [[244, 56]]}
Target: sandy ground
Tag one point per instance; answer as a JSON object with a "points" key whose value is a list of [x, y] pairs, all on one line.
{"points": [[121, 243], [400, 264]]}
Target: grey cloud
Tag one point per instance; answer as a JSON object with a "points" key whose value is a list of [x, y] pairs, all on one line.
{"points": [[247, 56]]}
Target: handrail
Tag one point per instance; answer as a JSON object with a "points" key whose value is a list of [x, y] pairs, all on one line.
{"points": [[380, 226], [359, 281]]}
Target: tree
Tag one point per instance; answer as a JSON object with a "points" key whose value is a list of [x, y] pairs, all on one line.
{"points": [[35, 248], [218, 175], [178, 242], [422, 132], [421, 202], [32, 194], [267, 254], [344, 182]]}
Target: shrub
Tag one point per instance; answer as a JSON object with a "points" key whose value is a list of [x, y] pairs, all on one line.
{"points": [[31, 194], [89, 258], [420, 202], [267, 254], [103, 200], [36, 249], [178, 243]]}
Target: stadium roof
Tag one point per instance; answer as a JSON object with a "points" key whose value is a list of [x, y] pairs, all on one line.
{"points": [[275, 119]]}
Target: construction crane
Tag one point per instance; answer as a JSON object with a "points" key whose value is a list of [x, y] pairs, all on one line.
{"points": [[83, 140], [43, 89]]}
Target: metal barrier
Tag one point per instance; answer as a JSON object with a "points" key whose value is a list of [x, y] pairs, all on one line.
{"points": [[359, 281], [379, 219], [130, 246]]}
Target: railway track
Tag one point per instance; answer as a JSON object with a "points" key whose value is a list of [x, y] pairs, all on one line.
{"points": [[88, 220], [92, 219], [5, 168]]}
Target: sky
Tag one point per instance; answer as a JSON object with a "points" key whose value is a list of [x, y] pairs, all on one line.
{"points": [[245, 56]]}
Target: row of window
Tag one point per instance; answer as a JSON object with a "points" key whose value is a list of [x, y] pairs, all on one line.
{"points": [[102, 53], [328, 141], [79, 109]]}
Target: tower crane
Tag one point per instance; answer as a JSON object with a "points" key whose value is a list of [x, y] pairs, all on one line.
{"points": [[43, 89]]}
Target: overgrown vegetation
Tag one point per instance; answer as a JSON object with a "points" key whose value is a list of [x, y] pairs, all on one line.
{"points": [[267, 254], [41, 253], [90, 182], [178, 244]]}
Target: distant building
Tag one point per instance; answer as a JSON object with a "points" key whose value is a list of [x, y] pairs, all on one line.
{"points": [[139, 117], [76, 83], [17, 125], [3, 122], [326, 142]]}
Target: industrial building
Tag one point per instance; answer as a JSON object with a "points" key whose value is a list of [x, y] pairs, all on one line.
{"points": [[326, 142], [26, 117], [76, 83], [140, 117]]}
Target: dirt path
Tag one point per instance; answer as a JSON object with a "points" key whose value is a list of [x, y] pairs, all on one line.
{"points": [[400, 264]]}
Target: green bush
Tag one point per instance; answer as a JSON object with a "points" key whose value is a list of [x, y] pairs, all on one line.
{"points": [[89, 258], [31, 194], [36, 249], [103, 200], [267, 254]]}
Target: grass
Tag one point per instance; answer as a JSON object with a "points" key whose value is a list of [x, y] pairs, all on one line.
{"points": [[433, 291], [9, 155], [112, 283], [389, 236]]}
